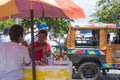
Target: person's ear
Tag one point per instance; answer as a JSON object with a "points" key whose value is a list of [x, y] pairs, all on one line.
{"points": [[20, 38]]}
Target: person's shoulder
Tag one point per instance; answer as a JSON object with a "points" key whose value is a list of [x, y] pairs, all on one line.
{"points": [[4, 44], [23, 46], [14, 44], [47, 42]]}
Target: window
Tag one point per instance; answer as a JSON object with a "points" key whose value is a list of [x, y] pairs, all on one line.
{"points": [[86, 38], [114, 36]]}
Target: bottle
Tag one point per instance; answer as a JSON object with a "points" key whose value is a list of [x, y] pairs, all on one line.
{"points": [[50, 60], [57, 55], [65, 55]]}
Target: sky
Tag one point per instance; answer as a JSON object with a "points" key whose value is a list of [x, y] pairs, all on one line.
{"points": [[88, 7]]}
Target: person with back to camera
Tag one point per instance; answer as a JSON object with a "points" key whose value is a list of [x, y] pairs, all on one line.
{"points": [[13, 56], [42, 48]]}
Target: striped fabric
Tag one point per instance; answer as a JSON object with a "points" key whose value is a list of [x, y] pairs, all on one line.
{"points": [[111, 65], [93, 25], [87, 52]]}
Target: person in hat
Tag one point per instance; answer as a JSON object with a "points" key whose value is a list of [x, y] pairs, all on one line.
{"points": [[43, 26], [42, 47], [13, 56]]}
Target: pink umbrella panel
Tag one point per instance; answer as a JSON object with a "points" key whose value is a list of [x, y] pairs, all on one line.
{"points": [[49, 8]]}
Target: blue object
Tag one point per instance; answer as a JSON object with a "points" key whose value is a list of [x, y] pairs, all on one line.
{"points": [[43, 26], [118, 25], [6, 29]]}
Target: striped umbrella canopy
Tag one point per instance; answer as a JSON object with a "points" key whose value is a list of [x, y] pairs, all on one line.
{"points": [[46, 8]]}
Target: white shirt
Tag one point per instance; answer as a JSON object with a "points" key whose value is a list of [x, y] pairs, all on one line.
{"points": [[5, 38], [27, 38], [12, 56]]}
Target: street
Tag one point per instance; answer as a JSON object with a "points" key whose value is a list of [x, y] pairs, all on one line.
{"points": [[111, 75]]}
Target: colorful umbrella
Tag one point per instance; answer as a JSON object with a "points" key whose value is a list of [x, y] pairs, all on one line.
{"points": [[47, 8]]}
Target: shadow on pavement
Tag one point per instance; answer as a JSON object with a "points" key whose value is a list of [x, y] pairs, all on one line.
{"points": [[108, 76]]}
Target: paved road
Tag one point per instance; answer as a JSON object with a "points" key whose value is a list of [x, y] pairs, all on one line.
{"points": [[111, 75]]}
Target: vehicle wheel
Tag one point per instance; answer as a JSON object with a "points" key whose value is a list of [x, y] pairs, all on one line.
{"points": [[89, 70]]}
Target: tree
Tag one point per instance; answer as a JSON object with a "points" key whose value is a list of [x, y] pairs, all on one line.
{"points": [[60, 25], [6, 23], [107, 11]]}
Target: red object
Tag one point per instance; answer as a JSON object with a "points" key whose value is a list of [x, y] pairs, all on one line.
{"points": [[39, 54], [118, 65], [80, 52], [65, 53]]}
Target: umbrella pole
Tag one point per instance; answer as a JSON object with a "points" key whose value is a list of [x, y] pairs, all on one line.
{"points": [[32, 41]]}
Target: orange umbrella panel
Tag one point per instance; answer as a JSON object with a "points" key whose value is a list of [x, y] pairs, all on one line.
{"points": [[8, 7]]}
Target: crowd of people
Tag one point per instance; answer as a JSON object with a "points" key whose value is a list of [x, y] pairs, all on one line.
{"points": [[15, 51]]}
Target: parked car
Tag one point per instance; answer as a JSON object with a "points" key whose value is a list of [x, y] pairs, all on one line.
{"points": [[93, 53]]}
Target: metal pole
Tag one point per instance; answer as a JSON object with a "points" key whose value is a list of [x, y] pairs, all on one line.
{"points": [[32, 41]]}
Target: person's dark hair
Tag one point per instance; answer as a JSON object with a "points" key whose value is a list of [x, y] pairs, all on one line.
{"points": [[43, 31], [15, 32]]}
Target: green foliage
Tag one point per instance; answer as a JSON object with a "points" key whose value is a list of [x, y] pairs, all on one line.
{"points": [[60, 25], [112, 30], [107, 11], [6, 23]]}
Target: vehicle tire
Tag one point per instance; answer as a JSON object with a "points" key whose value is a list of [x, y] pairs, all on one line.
{"points": [[89, 71]]}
